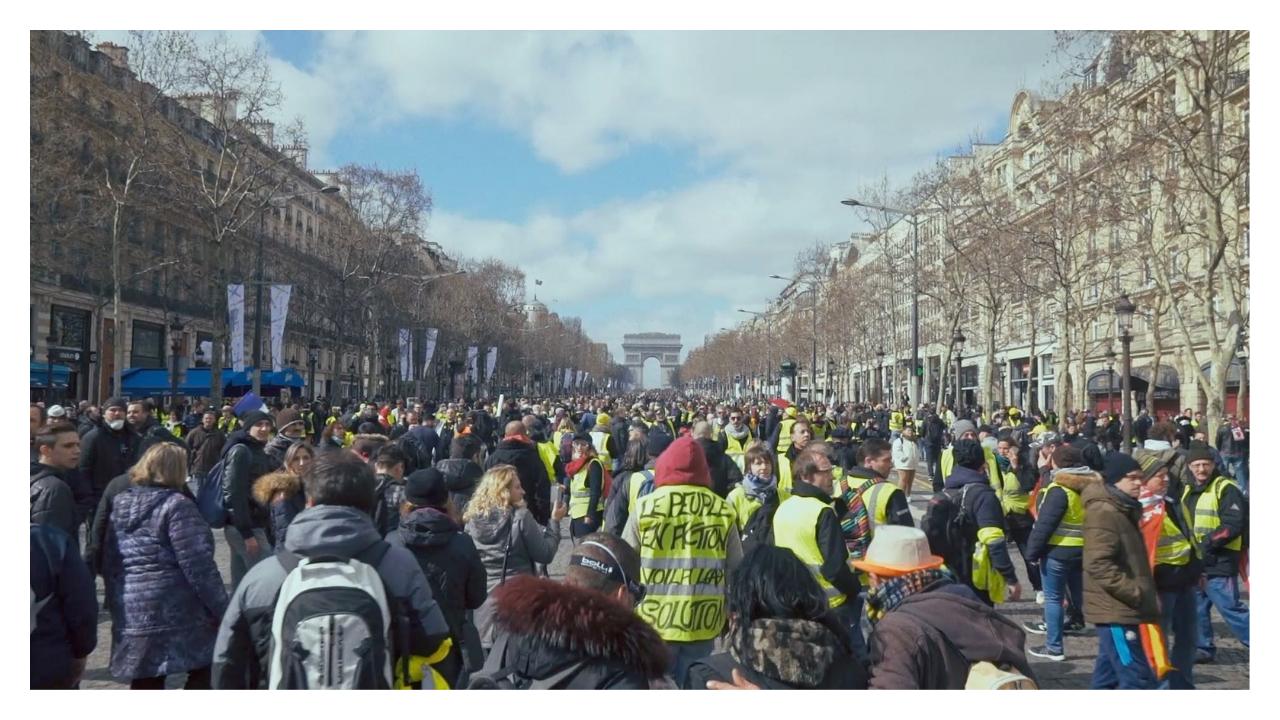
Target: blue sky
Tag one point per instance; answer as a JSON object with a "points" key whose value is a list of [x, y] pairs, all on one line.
{"points": [[652, 180]]}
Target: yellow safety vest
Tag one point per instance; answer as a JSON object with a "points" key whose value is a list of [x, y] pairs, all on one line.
{"points": [[228, 425], [1013, 500], [948, 462], [876, 499], [1172, 548], [820, 430], [896, 421], [684, 563], [784, 435], [784, 477], [737, 449], [744, 506], [634, 482], [580, 491], [1206, 511], [348, 439], [548, 453], [795, 528], [559, 438], [600, 440], [1070, 530]]}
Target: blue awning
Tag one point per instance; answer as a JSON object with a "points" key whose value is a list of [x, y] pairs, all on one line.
{"points": [[142, 382], [288, 378], [40, 375]]}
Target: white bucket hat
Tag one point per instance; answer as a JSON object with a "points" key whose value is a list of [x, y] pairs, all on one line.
{"points": [[898, 550]]}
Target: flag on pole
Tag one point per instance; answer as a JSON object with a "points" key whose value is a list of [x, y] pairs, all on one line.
{"points": [[490, 363], [406, 355], [235, 308], [279, 315], [432, 334], [473, 353]]}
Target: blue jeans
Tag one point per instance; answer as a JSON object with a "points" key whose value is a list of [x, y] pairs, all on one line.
{"points": [[1178, 620], [684, 654], [1239, 469], [1122, 663], [1060, 578], [1224, 594], [850, 615]]}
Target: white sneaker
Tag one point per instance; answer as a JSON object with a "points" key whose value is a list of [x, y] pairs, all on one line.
{"points": [[1040, 597]]}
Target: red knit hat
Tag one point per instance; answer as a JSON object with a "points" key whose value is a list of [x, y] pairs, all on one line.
{"points": [[682, 463]]}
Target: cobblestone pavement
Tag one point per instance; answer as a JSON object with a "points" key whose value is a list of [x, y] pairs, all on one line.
{"points": [[1230, 671]]}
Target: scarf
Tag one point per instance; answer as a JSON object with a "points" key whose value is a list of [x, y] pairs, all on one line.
{"points": [[890, 592], [758, 488], [740, 433], [577, 465]]}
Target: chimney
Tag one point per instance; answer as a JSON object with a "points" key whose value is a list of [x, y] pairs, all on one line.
{"points": [[119, 54], [296, 153], [265, 130]]}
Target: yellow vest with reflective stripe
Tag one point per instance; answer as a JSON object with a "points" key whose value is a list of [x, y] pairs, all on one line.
{"points": [[1014, 501], [600, 440], [795, 527], [1206, 511], [876, 499], [548, 453], [784, 435], [684, 533], [634, 483], [580, 491], [1070, 530], [1172, 548]]}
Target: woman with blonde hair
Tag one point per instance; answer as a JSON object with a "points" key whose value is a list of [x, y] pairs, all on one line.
{"points": [[508, 537], [165, 592], [280, 493]]}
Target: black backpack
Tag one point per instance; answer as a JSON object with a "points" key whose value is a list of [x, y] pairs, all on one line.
{"points": [[949, 526], [759, 529], [412, 446]]}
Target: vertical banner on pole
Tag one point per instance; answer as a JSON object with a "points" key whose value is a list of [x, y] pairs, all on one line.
{"points": [[473, 353], [568, 376], [235, 309], [490, 363], [406, 355], [279, 315], [432, 335]]}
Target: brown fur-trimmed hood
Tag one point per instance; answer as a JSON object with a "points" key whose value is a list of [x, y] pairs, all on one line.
{"points": [[580, 622], [280, 481], [1076, 479]]}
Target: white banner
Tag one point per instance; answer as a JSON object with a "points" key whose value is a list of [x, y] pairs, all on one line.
{"points": [[473, 355], [406, 355], [490, 363], [577, 383], [432, 334], [235, 308], [568, 377], [279, 314]]}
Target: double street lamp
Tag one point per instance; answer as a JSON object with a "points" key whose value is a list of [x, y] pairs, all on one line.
{"points": [[957, 347], [175, 347], [313, 355], [912, 217]]}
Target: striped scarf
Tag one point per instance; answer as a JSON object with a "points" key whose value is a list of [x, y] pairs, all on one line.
{"points": [[855, 524], [890, 592]]}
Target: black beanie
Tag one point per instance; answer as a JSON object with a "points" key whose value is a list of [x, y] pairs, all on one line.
{"points": [[968, 453], [255, 417], [658, 442], [116, 402], [1116, 465]]}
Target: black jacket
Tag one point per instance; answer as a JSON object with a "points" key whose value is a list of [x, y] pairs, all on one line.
{"points": [[835, 556], [244, 461], [846, 454], [449, 559], [461, 476], [1053, 507], [548, 627], [898, 512], [389, 495], [153, 433], [106, 453], [724, 471], [983, 506], [66, 627], [206, 447], [522, 454], [52, 502]]}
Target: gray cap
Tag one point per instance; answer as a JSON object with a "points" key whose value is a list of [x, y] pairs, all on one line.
{"points": [[961, 427]]}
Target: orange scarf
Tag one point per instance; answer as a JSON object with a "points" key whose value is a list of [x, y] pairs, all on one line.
{"points": [[1154, 643]]}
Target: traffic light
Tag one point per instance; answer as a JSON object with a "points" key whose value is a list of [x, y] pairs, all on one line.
{"points": [[919, 371]]}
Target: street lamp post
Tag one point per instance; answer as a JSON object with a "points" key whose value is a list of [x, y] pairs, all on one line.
{"points": [[879, 388], [957, 345], [1111, 364], [313, 354], [1001, 364], [813, 366], [175, 346], [259, 282], [917, 378], [351, 378], [1124, 325], [48, 368]]}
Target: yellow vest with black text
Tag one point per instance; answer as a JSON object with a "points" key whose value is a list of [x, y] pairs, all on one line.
{"points": [[795, 527], [1205, 512], [1070, 530], [580, 491], [684, 564], [784, 435]]}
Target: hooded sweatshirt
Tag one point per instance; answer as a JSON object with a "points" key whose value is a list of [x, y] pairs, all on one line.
{"points": [[1118, 585], [461, 476], [240, 657], [1052, 510], [986, 511], [449, 559]]}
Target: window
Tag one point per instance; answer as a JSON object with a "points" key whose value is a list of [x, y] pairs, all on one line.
{"points": [[70, 327], [148, 345]]}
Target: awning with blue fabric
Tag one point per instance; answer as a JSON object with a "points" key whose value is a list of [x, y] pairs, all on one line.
{"points": [[141, 382], [40, 375]]}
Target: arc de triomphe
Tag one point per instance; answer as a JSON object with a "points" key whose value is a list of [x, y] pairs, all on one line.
{"points": [[642, 346]]}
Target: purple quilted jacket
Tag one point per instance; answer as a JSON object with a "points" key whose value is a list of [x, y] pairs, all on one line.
{"points": [[163, 587]]}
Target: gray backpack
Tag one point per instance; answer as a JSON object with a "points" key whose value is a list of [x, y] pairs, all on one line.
{"points": [[333, 627]]}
